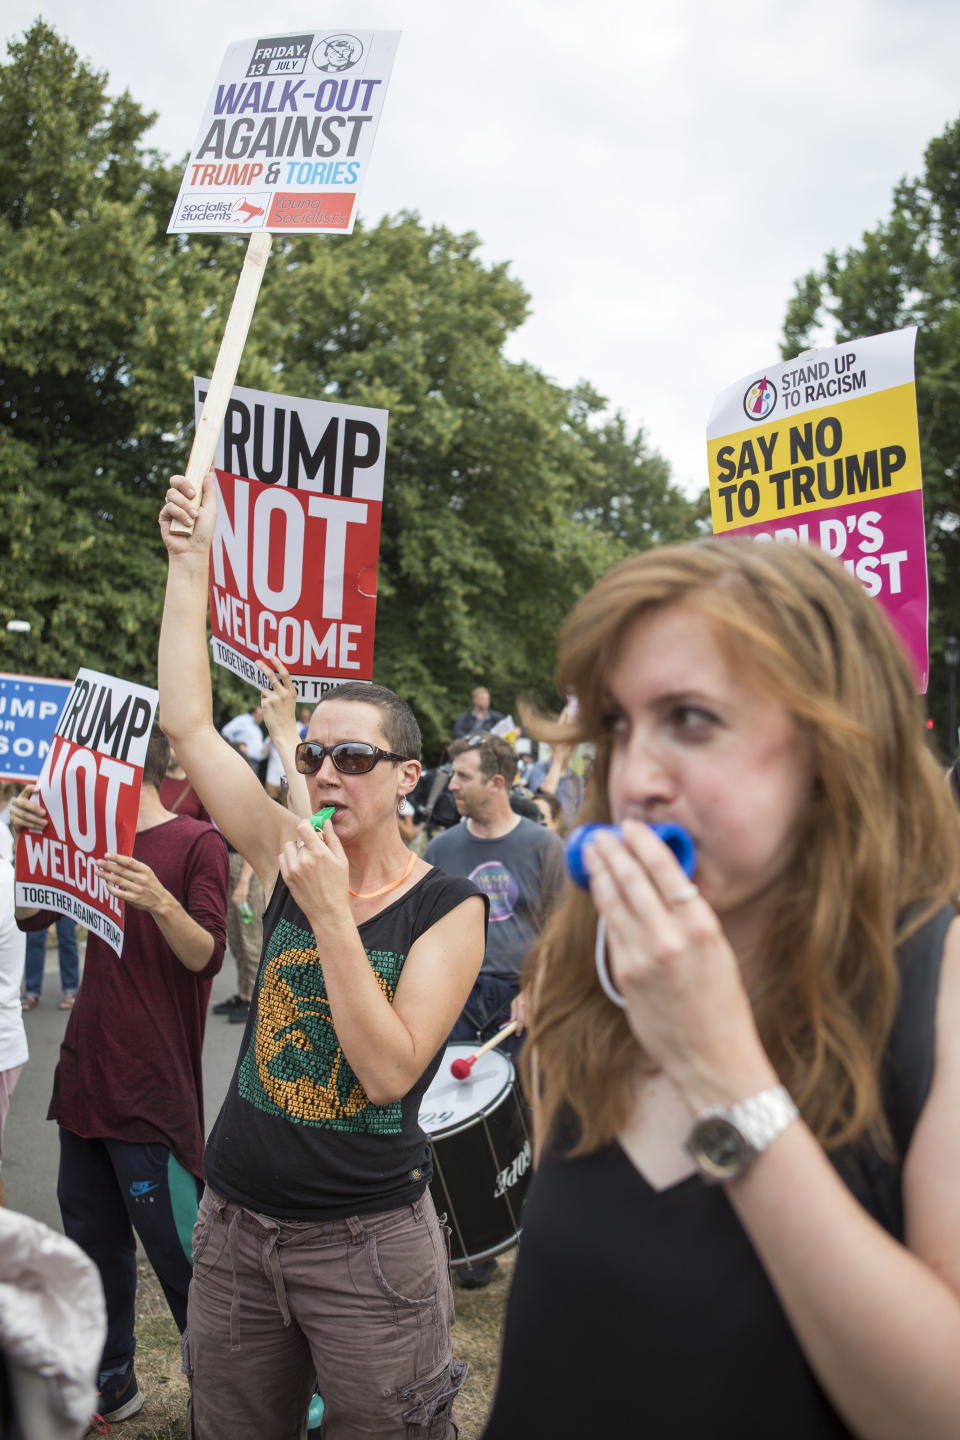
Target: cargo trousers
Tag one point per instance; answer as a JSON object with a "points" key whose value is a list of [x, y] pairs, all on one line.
{"points": [[360, 1309]]}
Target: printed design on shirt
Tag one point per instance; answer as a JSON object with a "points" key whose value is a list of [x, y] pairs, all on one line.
{"points": [[495, 880], [293, 1064]]}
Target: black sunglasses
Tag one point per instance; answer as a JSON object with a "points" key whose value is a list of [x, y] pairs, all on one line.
{"points": [[351, 757]]}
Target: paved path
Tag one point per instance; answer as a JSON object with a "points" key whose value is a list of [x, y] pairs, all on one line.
{"points": [[30, 1140]]}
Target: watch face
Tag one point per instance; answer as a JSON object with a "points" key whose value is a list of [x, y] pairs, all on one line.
{"points": [[719, 1149]]}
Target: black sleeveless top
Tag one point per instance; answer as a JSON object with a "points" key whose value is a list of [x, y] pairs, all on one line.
{"points": [[641, 1313], [297, 1137]]}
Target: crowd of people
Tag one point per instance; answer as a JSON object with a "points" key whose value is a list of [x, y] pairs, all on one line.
{"points": [[743, 1085], [208, 870]]}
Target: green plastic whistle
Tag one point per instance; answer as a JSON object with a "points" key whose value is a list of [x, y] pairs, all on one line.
{"points": [[322, 816]]}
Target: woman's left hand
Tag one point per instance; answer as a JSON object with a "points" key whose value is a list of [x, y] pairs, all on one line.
{"points": [[317, 874], [669, 958]]}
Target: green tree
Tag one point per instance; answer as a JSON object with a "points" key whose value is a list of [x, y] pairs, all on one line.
{"points": [[101, 322], [632, 499], [506, 494], [906, 271]]}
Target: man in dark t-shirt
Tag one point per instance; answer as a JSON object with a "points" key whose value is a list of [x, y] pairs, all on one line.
{"points": [[128, 1090], [478, 717]]}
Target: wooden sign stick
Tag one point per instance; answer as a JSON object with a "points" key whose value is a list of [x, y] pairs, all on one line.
{"points": [[204, 446]]}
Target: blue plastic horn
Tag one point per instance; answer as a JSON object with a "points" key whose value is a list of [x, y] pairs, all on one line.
{"points": [[673, 836]]}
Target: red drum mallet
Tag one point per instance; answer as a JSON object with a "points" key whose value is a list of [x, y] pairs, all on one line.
{"points": [[460, 1069]]}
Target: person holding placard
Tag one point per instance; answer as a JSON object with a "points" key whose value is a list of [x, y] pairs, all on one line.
{"points": [[744, 1220], [317, 1168], [128, 1089]]}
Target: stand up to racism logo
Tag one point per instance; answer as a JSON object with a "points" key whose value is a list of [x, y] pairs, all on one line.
{"points": [[760, 399]]}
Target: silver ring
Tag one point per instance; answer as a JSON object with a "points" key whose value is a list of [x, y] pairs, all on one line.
{"points": [[300, 844], [689, 892]]}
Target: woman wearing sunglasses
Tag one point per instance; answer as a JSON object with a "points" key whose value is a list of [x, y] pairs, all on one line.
{"points": [[318, 1257]]}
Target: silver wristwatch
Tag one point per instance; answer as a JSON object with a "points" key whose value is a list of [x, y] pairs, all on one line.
{"points": [[725, 1142]]}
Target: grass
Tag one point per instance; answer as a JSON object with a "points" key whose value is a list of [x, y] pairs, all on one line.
{"points": [[476, 1338]]}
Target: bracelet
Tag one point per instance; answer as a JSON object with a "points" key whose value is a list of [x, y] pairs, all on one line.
{"points": [[603, 974]]}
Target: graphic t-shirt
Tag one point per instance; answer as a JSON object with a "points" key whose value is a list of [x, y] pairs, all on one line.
{"points": [[521, 873], [297, 1137]]}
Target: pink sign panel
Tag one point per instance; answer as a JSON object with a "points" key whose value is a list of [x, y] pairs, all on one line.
{"points": [[883, 544]]}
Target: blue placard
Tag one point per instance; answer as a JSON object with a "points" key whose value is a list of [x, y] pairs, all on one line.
{"points": [[30, 707]]}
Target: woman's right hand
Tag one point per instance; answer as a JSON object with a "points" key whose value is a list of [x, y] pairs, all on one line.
{"points": [[200, 513], [672, 963]]}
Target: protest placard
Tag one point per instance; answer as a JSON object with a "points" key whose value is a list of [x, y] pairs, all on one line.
{"points": [[293, 567], [825, 450], [90, 788], [29, 706], [283, 146], [285, 140]]}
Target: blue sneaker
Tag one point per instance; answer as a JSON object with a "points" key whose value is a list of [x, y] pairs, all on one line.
{"points": [[120, 1397]]}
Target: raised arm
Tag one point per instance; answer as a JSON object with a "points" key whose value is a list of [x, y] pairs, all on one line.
{"points": [[559, 760], [252, 822]]}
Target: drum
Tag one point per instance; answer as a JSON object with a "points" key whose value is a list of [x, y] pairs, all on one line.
{"points": [[481, 1153]]}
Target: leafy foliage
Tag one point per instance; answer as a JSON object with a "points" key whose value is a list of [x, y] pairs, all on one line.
{"points": [[907, 272], [506, 494]]}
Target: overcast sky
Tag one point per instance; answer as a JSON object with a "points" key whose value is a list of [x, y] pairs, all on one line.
{"points": [[656, 174]]}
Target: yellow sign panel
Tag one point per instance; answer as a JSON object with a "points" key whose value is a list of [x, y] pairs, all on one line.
{"points": [[860, 449]]}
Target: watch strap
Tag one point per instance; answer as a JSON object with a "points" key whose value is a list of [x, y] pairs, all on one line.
{"points": [[761, 1117]]}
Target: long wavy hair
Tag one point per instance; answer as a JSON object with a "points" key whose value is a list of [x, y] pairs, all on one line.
{"points": [[875, 854]]}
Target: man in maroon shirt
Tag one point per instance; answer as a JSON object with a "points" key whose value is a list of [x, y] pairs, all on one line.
{"points": [[128, 1091]]}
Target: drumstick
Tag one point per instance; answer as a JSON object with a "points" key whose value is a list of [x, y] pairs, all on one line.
{"points": [[460, 1069]]}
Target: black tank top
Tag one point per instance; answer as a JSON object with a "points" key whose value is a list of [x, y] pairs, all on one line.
{"points": [[297, 1137], [641, 1313]]}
